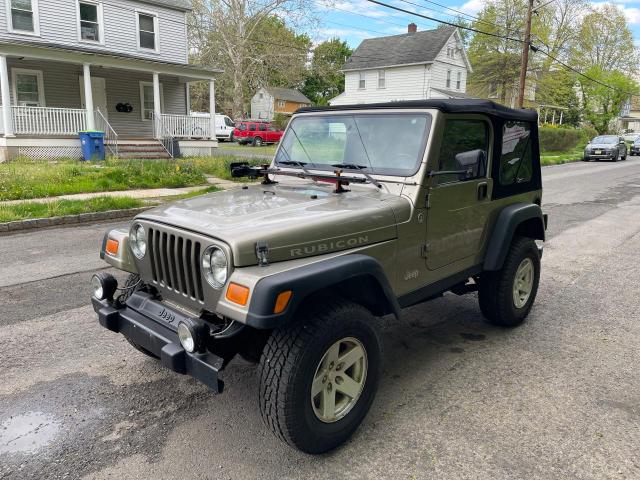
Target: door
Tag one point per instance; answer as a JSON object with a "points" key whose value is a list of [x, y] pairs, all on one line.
{"points": [[99, 93], [458, 202]]}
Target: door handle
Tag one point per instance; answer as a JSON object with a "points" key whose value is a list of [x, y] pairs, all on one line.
{"points": [[483, 189]]}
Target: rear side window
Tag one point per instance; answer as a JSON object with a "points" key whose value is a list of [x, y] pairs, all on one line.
{"points": [[263, 127], [252, 127], [462, 136], [516, 160]]}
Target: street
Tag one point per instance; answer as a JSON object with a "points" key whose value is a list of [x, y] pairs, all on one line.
{"points": [[459, 399]]}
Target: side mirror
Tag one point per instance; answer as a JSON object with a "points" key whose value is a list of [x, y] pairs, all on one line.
{"points": [[470, 162]]}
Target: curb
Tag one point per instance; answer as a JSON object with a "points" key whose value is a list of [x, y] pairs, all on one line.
{"points": [[37, 223]]}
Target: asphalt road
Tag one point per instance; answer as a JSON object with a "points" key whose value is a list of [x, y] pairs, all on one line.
{"points": [[555, 398]]}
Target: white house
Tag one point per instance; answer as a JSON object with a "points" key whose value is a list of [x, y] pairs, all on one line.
{"points": [[412, 66], [271, 100], [120, 66]]}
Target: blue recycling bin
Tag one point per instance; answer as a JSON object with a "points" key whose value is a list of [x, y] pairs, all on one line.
{"points": [[92, 145]]}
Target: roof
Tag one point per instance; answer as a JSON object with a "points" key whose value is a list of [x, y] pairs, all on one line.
{"points": [[289, 94], [405, 49], [177, 4], [450, 105], [451, 93]]}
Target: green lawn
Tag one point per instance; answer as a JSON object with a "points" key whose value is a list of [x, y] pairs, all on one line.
{"points": [[24, 179], [264, 150], [57, 208], [556, 158], [219, 166]]}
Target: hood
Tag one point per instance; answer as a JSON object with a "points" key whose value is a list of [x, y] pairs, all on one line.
{"points": [[602, 145], [294, 221]]}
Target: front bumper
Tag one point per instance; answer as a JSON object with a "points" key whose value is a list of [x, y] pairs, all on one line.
{"points": [[146, 328]]}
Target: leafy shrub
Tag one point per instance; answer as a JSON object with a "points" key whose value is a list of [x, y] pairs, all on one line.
{"points": [[559, 139]]}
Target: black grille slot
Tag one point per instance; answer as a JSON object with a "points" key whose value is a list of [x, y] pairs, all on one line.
{"points": [[175, 263]]}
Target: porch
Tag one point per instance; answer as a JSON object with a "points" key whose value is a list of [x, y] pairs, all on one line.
{"points": [[142, 106]]}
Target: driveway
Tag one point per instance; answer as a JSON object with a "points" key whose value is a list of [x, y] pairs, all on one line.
{"points": [[555, 398]]}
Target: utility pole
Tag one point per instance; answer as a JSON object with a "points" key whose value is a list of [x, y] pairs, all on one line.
{"points": [[525, 55]]}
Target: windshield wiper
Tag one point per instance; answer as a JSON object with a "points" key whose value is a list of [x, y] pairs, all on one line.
{"points": [[357, 168], [293, 163]]}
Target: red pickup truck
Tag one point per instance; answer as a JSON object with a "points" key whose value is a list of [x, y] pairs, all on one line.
{"points": [[256, 133]]}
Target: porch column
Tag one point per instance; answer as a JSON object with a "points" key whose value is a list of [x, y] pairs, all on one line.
{"points": [[7, 118], [88, 97], [212, 108], [157, 105]]}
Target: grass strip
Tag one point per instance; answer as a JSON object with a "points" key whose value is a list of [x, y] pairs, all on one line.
{"points": [[557, 158], [58, 208]]}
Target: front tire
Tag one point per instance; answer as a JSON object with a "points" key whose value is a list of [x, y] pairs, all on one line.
{"points": [[319, 375], [506, 296]]}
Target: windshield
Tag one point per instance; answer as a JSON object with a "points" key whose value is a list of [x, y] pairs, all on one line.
{"points": [[605, 140], [385, 144]]}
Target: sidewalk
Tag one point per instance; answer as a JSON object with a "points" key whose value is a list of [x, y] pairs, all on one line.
{"points": [[140, 194]]}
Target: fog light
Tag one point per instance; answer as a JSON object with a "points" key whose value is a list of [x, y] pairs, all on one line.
{"points": [[104, 286], [187, 336]]}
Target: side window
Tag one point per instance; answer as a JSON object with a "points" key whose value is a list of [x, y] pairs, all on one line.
{"points": [[252, 127], [263, 127], [461, 136], [515, 160]]}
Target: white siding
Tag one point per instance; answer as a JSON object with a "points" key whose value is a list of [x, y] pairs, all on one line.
{"points": [[59, 25], [444, 63], [401, 83], [262, 109], [62, 89]]}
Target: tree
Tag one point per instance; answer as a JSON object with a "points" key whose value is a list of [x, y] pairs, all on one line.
{"points": [[252, 43], [605, 41], [603, 100], [324, 79]]}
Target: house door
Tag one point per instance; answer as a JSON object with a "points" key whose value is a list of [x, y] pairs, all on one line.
{"points": [[99, 91]]}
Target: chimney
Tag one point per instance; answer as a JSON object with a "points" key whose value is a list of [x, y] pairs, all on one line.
{"points": [[412, 28]]}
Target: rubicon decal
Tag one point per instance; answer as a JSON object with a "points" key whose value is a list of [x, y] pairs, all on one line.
{"points": [[329, 246]]}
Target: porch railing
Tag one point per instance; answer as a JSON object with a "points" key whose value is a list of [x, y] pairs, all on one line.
{"points": [[48, 121], [110, 135], [183, 126]]}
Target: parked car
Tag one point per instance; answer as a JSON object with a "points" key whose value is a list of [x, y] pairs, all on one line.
{"points": [[635, 147], [291, 273], [224, 126], [631, 137], [256, 133], [606, 147]]}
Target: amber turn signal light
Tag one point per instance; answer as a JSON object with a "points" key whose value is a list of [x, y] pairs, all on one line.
{"points": [[112, 246], [238, 294], [282, 301]]}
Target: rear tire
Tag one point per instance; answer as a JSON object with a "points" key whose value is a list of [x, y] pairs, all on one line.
{"points": [[257, 142], [507, 295], [303, 356]]}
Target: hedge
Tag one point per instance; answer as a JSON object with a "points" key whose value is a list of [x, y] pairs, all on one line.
{"points": [[560, 139]]}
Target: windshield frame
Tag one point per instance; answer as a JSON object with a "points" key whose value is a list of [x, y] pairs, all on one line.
{"points": [[429, 117]]}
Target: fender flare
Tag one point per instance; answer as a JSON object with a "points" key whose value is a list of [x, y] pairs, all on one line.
{"points": [[523, 216], [346, 270]]}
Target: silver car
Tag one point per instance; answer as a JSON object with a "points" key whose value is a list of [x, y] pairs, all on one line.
{"points": [[606, 147]]}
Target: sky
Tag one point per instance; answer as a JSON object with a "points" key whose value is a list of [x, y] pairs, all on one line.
{"points": [[355, 20]]}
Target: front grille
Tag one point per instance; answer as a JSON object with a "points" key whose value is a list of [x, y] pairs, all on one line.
{"points": [[175, 263]]}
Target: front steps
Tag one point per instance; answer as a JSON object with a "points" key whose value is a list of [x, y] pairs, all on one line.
{"points": [[143, 149]]}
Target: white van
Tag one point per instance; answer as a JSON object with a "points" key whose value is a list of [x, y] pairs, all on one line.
{"points": [[224, 125]]}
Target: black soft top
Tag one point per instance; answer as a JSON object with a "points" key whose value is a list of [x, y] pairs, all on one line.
{"points": [[453, 105]]}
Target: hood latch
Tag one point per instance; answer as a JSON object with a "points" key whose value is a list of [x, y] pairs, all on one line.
{"points": [[262, 253]]}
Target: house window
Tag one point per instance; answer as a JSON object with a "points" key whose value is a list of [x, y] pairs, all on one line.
{"points": [[458, 80], [24, 16], [146, 100], [448, 78], [381, 79], [28, 88], [362, 82], [90, 21], [147, 31], [281, 103]]}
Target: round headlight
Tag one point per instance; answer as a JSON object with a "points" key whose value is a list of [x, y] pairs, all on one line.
{"points": [[138, 239], [215, 266]]}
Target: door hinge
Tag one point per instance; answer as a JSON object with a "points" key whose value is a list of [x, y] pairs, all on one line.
{"points": [[427, 200], [424, 250]]}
